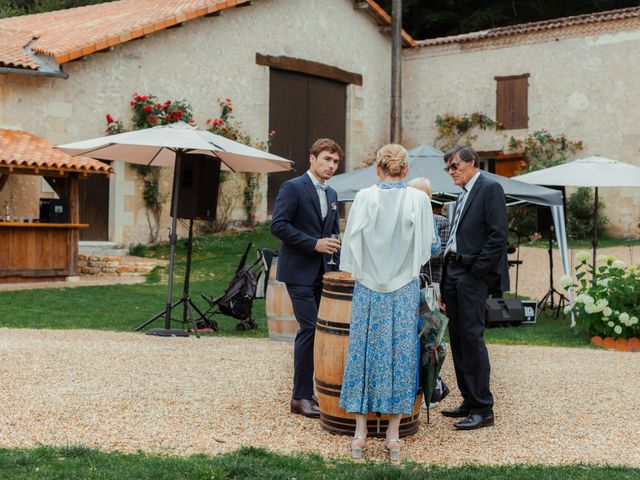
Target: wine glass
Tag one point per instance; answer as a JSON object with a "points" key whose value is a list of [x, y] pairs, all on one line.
{"points": [[336, 236]]}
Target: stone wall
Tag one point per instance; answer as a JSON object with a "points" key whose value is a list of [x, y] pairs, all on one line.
{"points": [[202, 61], [583, 82]]}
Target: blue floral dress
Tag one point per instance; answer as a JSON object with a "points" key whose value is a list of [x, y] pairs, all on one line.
{"points": [[380, 374]]}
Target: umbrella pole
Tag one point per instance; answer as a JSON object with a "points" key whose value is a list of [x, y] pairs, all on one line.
{"points": [[594, 241], [167, 331]]}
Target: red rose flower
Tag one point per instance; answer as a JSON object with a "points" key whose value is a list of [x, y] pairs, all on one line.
{"points": [[148, 109], [138, 98], [167, 117], [158, 106], [109, 118], [132, 103]]}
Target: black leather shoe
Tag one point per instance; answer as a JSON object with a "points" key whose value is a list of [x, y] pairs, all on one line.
{"points": [[460, 411], [306, 407], [475, 420]]}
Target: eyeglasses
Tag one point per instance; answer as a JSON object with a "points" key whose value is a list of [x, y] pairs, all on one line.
{"points": [[453, 166]]}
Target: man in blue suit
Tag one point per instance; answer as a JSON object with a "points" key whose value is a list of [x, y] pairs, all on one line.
{"points": [[475, 263], [304, 217]]}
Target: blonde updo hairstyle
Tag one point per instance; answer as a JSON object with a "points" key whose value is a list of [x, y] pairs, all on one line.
{"points": [[392, 160]]}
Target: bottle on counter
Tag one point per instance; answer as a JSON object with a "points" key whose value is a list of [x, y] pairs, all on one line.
{"points": [[7, 212]]}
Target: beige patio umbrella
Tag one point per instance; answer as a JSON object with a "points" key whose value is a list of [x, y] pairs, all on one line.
{"points": [[593, 171], [165, 146]]}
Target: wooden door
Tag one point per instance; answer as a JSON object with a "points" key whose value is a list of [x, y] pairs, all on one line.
{"points": [[303, 108], [94, 207]]}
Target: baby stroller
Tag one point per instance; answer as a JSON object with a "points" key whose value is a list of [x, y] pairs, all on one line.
{"points": [[237, 300]]}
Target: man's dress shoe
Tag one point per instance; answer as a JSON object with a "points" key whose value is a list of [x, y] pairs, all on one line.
{"points": [[306, 407], [475, 420], [460, 411]]}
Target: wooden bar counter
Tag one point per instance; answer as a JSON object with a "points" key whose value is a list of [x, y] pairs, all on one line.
{"points": [[38, 251]]}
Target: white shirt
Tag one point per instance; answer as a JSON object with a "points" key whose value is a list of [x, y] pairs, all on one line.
{"points": [[388, 237], [322, 195], [451, 244]]}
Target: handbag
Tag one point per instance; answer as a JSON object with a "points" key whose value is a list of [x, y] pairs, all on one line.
{"points": [[428, 300]]}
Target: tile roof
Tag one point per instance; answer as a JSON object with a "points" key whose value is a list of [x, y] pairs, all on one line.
{"points": [[27, 153], [65, 35], [75, 32], [534, 27], [13, 45]]}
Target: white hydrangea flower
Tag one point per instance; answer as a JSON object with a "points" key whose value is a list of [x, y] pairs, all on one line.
{"points": [[603, 282], [624, 317], [611, 324], [582, 256], [567, 309], [588, 300], [589, 308], [619, 264], [601, 258], [617, 329], [607, 312], [566, 281], [633, 320], [611, 258]]}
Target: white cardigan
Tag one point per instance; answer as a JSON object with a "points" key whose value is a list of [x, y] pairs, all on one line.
{"points": [[388, 237]]}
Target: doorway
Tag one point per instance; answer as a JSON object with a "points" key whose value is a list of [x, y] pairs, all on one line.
{"points": [[93, 193], [303, 108]]}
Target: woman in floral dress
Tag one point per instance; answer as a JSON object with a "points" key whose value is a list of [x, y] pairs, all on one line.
{"points": [[387, 239]]}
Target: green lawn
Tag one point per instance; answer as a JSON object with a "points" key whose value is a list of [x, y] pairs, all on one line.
{"points": [[215, 258], [70, 463]]}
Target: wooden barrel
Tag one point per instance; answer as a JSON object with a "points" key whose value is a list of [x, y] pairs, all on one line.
{"points": [[330, 356], [281, 322]]}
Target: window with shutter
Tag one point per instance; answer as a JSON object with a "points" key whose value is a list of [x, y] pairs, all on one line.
{"points": [[512, 96]]}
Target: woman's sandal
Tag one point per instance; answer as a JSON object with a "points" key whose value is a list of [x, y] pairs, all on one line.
{"points": [[356, 452], [394, 453]]}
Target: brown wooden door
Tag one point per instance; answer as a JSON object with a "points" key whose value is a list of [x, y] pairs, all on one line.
{"points": [[94, 207], [303, 108]]}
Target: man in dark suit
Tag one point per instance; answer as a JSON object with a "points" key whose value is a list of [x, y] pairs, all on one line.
{"points": [[475, 264], [304, 217]]}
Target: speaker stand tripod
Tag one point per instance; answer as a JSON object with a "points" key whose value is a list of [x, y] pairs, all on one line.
{"points": [[548, 300], [185, 301]]}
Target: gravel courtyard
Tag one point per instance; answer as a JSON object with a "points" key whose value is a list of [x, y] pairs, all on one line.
{"points": [[128, 391]]}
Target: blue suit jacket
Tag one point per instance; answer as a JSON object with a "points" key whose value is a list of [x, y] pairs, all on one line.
{"points": [[297, 222]]}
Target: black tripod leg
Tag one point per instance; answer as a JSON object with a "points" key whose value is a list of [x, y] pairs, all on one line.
{"points": [[162, 313], [187, 306]]}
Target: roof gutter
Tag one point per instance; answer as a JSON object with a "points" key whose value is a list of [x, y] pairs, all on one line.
{"points": [[35, 73]]}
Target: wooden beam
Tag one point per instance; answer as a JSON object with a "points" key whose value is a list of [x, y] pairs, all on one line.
{"points": [[3, 180], [308, 67], [73, 203]]}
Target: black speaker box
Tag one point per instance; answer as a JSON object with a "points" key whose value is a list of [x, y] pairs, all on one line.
{"points": [[197, 185], [504, 311], [54, 210]]}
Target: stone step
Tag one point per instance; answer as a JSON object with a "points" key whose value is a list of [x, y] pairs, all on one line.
{"points": [[101, 249]]}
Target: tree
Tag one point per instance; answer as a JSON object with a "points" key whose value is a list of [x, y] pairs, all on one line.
{"points": [[440, 18]]}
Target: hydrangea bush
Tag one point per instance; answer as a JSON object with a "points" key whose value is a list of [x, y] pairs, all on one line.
{"points": [[606, 296]]}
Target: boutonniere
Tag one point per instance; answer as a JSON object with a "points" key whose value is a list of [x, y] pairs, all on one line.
{"points": [[334, 206]]}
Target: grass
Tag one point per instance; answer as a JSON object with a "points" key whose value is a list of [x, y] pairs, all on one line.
{"points": [[214, 260], [123, 307], [49, 463]]}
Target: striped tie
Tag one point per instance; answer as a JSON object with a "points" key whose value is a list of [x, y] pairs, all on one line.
{"points": [[456, 220]]}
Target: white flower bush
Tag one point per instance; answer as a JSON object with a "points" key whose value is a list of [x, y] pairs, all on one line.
{"points": [[607, 296]]}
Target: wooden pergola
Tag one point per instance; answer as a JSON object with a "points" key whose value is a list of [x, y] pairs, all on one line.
{"points": [[42, 251]]}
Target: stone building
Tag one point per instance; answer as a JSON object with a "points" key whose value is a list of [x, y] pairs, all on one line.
{"points": [[305, 68], [576, 75], [310, 68]]}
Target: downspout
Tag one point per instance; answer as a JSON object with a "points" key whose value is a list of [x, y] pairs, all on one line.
{"points": [[396, 71]]}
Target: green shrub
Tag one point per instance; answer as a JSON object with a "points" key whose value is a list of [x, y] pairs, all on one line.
{"points": [[580, 214]]}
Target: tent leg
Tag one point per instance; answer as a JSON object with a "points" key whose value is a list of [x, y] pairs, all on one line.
{"points": [[594, 241]]}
